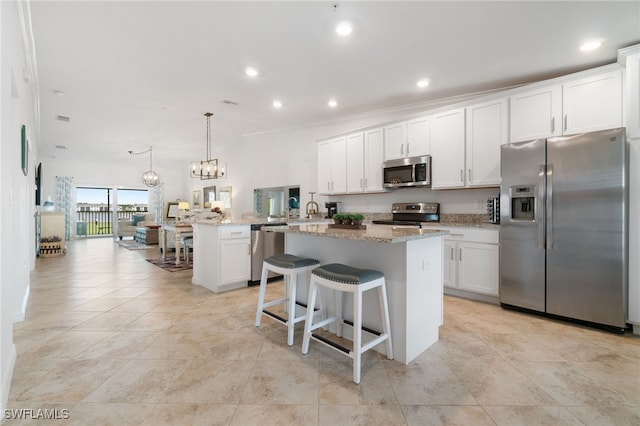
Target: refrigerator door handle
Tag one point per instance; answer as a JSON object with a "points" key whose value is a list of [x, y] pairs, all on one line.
{"points": [[549, 215], [539, 206]]}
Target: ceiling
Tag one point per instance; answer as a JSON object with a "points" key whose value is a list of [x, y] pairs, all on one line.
{"points": [[135, 74]]}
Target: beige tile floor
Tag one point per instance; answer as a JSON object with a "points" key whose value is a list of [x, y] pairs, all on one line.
{"points": [[118, 341]]}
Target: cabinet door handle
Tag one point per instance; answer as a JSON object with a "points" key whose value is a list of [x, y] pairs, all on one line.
{"points": [[553, 124], [461, 254], [461, 175], [456, 235], [362, 183], [451, 256], [407, 148], [565, 122], [470, 175]]}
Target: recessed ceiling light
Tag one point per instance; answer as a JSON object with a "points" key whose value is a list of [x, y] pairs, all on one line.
{"points": [[58, 92], [333, 103], [277, 104], [423, 83], [251, 72], [344, 28], [591, 45]]}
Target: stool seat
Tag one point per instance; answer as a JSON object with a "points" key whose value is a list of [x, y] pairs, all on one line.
{"points": [[346, 274], [289, 261]]}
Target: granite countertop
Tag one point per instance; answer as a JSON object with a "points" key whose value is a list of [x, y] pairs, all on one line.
{"points": [[373, 233]]}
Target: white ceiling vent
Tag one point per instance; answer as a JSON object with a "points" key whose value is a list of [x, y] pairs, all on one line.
{"points": [[62, 118], [61, 147], [228, 102]]}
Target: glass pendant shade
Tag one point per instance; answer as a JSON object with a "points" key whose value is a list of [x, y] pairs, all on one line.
{"points": [[150, 178]]}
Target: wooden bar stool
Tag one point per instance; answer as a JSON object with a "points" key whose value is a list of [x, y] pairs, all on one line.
{"points": [[291, 267], [345, 278]]}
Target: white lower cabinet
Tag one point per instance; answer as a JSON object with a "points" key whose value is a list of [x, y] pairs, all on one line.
{"points": [[471, 261], [222, 256], [235, 260]]}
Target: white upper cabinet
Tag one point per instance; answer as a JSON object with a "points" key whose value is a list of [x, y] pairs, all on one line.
{"points": [[355, 162], [332, 166], [536, 114], [395, 141], [576, 106], [592, 103], [447, 149], [407, 139], [487, 129], [418, 137], [373, 157]]}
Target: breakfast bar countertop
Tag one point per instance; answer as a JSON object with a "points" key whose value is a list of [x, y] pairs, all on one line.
{"points": [[373, 233]]}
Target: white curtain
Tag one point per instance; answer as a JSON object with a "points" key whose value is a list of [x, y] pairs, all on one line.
{"points": [[64, 201]]}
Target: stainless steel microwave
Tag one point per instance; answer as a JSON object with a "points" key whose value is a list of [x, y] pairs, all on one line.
{"points": [[407, 172]]}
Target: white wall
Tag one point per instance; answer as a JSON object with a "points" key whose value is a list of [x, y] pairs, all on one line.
{"points": [[17, 230], [289, 157]]}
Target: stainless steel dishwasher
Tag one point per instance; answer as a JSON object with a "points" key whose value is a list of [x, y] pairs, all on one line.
{"points": [[263, 245]]}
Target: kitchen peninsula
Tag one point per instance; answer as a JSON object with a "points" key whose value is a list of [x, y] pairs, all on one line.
{"points": [[412, 262]]}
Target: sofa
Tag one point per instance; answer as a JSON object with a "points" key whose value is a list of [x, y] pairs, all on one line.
{"points": [[127, 227]]}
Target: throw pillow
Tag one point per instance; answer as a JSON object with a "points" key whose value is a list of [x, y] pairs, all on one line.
{"points": [[137, 218]]}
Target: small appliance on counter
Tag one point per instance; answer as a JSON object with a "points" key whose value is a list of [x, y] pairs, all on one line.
{"points": [[332, 208], [493, 209]]}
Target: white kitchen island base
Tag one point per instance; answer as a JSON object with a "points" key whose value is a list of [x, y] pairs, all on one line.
{"points": [[413, 272]]}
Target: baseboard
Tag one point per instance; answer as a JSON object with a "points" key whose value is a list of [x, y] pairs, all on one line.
{"points": [[20, 316], [495, 300], [7, 375]]}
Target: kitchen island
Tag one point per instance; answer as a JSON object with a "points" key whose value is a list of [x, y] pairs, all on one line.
{"points": [[412, 262]]}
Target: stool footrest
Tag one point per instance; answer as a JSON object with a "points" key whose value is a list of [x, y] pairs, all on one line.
{"points": [[328, 342], [274, 316], [363, 328]]}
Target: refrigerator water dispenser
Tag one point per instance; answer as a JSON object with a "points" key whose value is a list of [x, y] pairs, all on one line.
{"points": [[523, 203]]}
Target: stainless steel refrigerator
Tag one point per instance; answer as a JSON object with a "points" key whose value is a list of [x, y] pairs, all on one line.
{"points": [[563, 227]]}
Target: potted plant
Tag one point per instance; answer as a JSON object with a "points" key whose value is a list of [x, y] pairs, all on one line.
{"points": [[337, 218], [346, 219], [357, 218]]}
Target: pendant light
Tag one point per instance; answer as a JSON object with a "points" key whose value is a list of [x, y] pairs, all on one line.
{"points": [[150, 178], [210, 168]]}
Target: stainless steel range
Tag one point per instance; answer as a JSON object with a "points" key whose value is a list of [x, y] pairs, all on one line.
{"points": [[412, 214]]}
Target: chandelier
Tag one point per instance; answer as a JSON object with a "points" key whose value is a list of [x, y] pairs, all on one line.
{"points": [[150, 178], [210, 168]]}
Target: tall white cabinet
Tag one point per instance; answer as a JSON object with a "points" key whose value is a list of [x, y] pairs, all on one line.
{"points": [[447, 149], [364, 161], [332, 166]]}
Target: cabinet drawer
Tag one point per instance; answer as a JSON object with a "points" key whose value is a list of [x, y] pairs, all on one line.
{"points": [[488, 236], [235, 231]]}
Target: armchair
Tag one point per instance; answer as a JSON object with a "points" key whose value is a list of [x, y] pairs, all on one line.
{"points": [[127, 227]]}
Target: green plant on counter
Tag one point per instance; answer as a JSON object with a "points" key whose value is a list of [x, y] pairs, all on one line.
{"points": [[338, 217], [357, 216]]}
